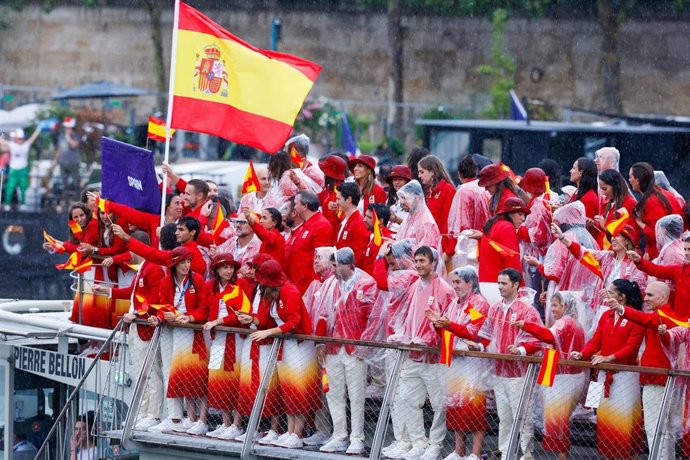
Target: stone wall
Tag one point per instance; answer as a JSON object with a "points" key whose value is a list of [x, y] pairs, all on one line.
{"points": [[71, 46]]}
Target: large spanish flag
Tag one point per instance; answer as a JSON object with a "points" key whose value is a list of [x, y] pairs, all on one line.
{"points": [[227, 87]]}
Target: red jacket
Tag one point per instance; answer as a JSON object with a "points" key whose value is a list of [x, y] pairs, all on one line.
{"points": [[146, 283], [491, 262], [194, 297], [591, 202], [327, 196], [651, 212], [299, 250], [163, 257], [213, 299], [353, 235], [628, 203], [615, 336], [144, 221], [89, 235], [653, 354], [272, 242], [372, 250], [378, 195], [438, 200], [181, 185], [680, 275], [507, 193], [291, 311]]}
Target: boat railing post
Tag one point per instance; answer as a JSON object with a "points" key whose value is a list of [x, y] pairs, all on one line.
{"points": [[662, 421], [386, 405], [521, 412]]}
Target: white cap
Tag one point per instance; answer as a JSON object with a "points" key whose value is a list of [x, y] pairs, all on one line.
{"points": [[17, 133], [69, 122]]}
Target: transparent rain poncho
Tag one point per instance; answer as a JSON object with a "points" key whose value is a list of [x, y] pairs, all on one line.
{"points": [[409, 323], [560, 264], [662, 181], [458, 310], [469, 209], [563, 328], [669, 232], [311, 177], [420, 225], [324, 271]]}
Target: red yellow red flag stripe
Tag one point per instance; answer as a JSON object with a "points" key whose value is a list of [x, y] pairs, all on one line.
{"points": [[229, 88], [623, 215], [378, 237], [549, 365], [251, 181], [75, 228], [156, 130], [675, 321], [498, 247], [447, 340], [55, 244], [589, 261]]}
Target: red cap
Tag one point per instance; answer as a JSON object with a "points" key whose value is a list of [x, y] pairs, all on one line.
{"points": [[630, 233], [534, 181], [513, 205], [491, 175], [333, 166], [221, 260], [400, 172], [270, 274], [366, 160]]}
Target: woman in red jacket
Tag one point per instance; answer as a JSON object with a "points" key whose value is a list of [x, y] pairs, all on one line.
{"points": [[560, 399], [501, 229], [584, 175], [281, 311], [269, 230], [183, 351], [500, 186], [654, 204], [617, 340], [614, 196], [439, 192], [333, 168], [225, 296], [364, 172]]}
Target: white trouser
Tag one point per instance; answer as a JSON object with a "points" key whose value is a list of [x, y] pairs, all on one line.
{"points": [[417, 380], [507, 391], [322, 418], [175, 406], [152, 398], [343, 370], [651, 404]]}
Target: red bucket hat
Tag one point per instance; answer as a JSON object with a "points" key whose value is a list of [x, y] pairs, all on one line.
{"points": [[333, 166], [513, 205], [366, 160], [400, 172], [221, 260], [180, 254], [270, 274], [491, 175], [259, 259], [534, 181], [630, 233]]}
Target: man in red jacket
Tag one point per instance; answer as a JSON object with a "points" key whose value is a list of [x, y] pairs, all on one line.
{"points": [[679, 274], [195, 193], [654, 355], [383, 214], [352, 232], [315, 232]]}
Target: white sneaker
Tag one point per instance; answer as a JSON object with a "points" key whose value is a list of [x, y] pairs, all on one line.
{"points": [[317, 439], [146, 423], [399, 451], [198, 428], [472, 457], [243, 437], [395, 445], [356, 447], [215, 433], [415, 453], [231, 433], [292, 442], [183, 426], [431, 453], [269, 438], [165, 425], [335, 445], [281, 439], [454, 456]]}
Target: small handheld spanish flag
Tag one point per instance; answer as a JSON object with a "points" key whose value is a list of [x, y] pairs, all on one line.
{"points": [[623, 216], [219, 223], [498, 247], [675, 321], [549, 365], [475, 315], [84, 265], [589, 261], [103, 205], [75, 228], [251, 180], [157, 129], [447, 340], [55, 244], [71, 262], [378, 238], [295, 156], [324, 380], [245, 305]]}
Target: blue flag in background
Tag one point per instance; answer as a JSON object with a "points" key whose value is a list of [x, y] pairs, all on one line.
{"points": [[517, 111], [349, 144], [128, 176]]}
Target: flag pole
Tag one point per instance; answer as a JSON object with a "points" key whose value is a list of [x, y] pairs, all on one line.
{"points": [[171, 89]]}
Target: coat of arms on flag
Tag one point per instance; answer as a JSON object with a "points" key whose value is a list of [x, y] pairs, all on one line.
{"points": [[210, 74]]}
